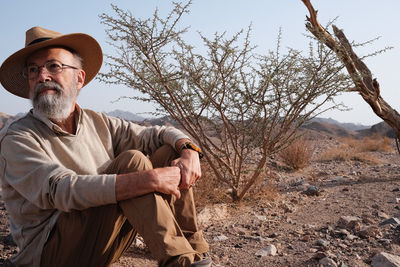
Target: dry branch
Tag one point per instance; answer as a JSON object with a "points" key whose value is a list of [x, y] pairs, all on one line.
{"points": [[365, 84]]}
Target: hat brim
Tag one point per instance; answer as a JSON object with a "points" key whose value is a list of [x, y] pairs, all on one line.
{"points": [[86, 46]]}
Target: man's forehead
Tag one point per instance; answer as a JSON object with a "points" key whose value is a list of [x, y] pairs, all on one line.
{"points": [[49, 53]]}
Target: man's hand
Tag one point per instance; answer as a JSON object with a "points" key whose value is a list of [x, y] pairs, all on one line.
{"points": [[164, 180], [189, 165], [168, 179]]}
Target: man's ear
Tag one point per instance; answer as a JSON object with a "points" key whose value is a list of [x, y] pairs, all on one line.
{"points": [[81, 78]]}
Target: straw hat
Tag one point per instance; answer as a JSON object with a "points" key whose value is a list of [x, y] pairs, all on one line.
{"points": [[37, 38]]}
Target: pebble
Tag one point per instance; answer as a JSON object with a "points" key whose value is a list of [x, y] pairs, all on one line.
{"points": [[384, 259], [327, 262], [349, 222], [261, 217], [312, 191], [269, 250], [393, 221], [323, 243], [220, 238], [339, 179]]}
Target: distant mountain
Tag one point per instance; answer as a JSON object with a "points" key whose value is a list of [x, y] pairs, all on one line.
{"points": [[347, 126], [166, 120], [5, 119], [381, 128], [126, 115], [328, 128]]}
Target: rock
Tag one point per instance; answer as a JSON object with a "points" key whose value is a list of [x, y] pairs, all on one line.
{"points": [[349, 222], [369, 231], [342, 233], [339, 179], [216, 212], [367, 220], [269, 250], [306, 238], [382, 215], [261, 217], [312, 191], [298, 183], [220, 238], [241, 231], [385, 241], [351, 237], [323, 243], [320, 255], [256, 238], [393, 221], [327, 262], [384, 259]]}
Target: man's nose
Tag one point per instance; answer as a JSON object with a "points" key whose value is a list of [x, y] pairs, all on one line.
{"points": [[43, 74]]}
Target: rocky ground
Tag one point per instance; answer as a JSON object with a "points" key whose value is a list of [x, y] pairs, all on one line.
{"points": [[335, 213]]}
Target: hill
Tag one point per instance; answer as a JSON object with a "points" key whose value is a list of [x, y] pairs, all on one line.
{"points": [[328, 128], [346, 125], [126, 115], [5, 119], [382, 129]]}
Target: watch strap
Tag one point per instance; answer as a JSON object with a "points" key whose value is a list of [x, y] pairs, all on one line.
{"points": [[190, 145]]}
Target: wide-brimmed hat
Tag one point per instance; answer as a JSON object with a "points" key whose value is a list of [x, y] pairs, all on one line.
{"points": [[38, 38]]}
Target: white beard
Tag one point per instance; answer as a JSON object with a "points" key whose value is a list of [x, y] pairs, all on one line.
{"points": [[55, 106]]}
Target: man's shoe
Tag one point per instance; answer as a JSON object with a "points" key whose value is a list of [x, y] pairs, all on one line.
{"points": [[205, 262]]}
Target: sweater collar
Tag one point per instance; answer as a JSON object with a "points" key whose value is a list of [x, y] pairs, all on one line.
{"points": [[54, 127]]}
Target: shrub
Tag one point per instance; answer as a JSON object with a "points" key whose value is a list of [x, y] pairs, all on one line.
{"points": [[298, 154]]}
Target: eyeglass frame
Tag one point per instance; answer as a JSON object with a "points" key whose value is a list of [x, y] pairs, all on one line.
{"points": [[25, 73]]}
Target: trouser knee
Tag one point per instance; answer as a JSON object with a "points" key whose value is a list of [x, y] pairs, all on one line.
{"points": [[129, 161], [163, 156]]}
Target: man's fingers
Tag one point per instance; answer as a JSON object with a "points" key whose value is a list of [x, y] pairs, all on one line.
{"points": [[177, 193]]}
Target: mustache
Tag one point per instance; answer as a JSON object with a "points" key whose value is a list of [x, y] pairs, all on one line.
{"points": [[47, 85]]}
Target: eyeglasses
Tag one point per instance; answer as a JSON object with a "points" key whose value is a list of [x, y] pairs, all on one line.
{"points": [[53, 67]]}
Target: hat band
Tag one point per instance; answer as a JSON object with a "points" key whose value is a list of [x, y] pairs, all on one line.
{"points": [[38, 40]]}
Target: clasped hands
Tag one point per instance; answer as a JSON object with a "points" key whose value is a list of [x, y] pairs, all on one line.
{"points": [[182, 174]]}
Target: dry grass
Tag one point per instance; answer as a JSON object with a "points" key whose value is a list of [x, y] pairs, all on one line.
{"points": [[298, 154], [208, 189], [376, 143], [357, 149]]}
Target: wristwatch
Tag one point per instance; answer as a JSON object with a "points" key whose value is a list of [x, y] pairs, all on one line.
{"points": [[190, 145]]}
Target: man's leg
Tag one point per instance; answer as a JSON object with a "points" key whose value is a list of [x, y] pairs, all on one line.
{"points": [[151, 216], [96, 236], [93, 237], [184, 208]]}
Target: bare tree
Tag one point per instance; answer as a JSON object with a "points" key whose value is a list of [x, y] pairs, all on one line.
{"points": [[239, 106], [365, 84]]}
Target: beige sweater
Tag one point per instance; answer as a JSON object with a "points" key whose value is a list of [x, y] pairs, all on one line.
{"points": [[45, 171]]}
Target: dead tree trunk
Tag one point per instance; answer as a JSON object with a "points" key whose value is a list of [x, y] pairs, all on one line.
{"points": [[365, 84]]}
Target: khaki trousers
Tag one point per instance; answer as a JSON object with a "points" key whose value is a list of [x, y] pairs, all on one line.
{"points": [[98, 236]]}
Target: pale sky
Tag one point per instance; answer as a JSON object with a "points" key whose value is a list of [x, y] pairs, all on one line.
{"points": [[361, 20]]}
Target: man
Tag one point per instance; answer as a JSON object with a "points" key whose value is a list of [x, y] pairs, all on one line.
{"points": [[79, 185]]}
